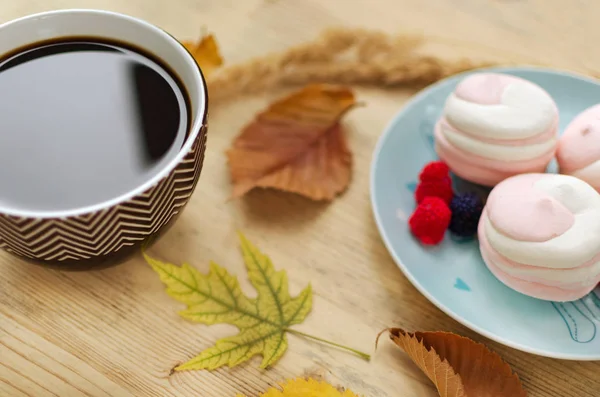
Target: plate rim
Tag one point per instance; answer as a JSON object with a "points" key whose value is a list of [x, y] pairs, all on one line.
{"points": [[412, 102]]}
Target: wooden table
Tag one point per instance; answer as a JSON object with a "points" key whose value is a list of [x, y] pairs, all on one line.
{"points": [[116, 333]]}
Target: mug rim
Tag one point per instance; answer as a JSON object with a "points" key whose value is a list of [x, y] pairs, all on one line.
{"points": [[195, 128]]}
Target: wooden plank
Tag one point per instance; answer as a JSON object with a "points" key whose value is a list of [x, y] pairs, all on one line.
{"points": [[115, 332]]}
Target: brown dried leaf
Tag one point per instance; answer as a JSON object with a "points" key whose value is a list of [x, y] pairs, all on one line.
{"points": [[459, 366], [206, 53], [296, 145]]}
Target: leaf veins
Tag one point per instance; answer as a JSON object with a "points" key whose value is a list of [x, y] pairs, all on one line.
{"points": [[296, 145], [217, 298], [459, 366]]}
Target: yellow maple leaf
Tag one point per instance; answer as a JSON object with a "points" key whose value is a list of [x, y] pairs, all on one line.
{"points": [[206, 53], [306, 388], [263, 322], [217, 298]]}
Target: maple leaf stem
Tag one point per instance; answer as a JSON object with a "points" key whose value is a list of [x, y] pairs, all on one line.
{"points": [[357, 352]]}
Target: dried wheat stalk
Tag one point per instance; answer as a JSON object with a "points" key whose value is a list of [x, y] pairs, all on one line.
{"points": [[344, 56]]}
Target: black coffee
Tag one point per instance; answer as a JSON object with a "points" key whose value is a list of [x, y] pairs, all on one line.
{"points": [[84, 121]]}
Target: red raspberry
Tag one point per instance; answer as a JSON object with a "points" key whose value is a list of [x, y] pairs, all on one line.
{"points": [[430, 220], [441, 189], [434, 171]]}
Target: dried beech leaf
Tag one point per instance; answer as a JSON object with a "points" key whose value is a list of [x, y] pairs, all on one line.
{"points": [[206, 53], [459, 366], [296, 145], [445, 379]]}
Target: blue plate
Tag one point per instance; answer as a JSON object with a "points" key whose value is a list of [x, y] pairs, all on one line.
{"points": [[452, 275]]}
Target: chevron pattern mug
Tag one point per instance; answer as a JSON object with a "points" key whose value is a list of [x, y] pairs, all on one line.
{"points": [[87, 219]]}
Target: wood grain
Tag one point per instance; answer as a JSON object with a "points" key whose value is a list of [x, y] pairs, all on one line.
{"points": [[115, 332]]}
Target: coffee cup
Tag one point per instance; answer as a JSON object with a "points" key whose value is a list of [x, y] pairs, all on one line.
{"points": [[73, 221]]}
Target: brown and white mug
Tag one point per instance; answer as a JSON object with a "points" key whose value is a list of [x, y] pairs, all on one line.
{"points": [[108, 232]]}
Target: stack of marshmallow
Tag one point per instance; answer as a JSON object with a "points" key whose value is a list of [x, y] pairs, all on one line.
{"points": [[495, 126], [578, 151], [539, 235]]}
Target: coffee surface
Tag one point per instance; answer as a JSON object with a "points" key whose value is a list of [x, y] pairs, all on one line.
{"points": [[83, 122]]}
